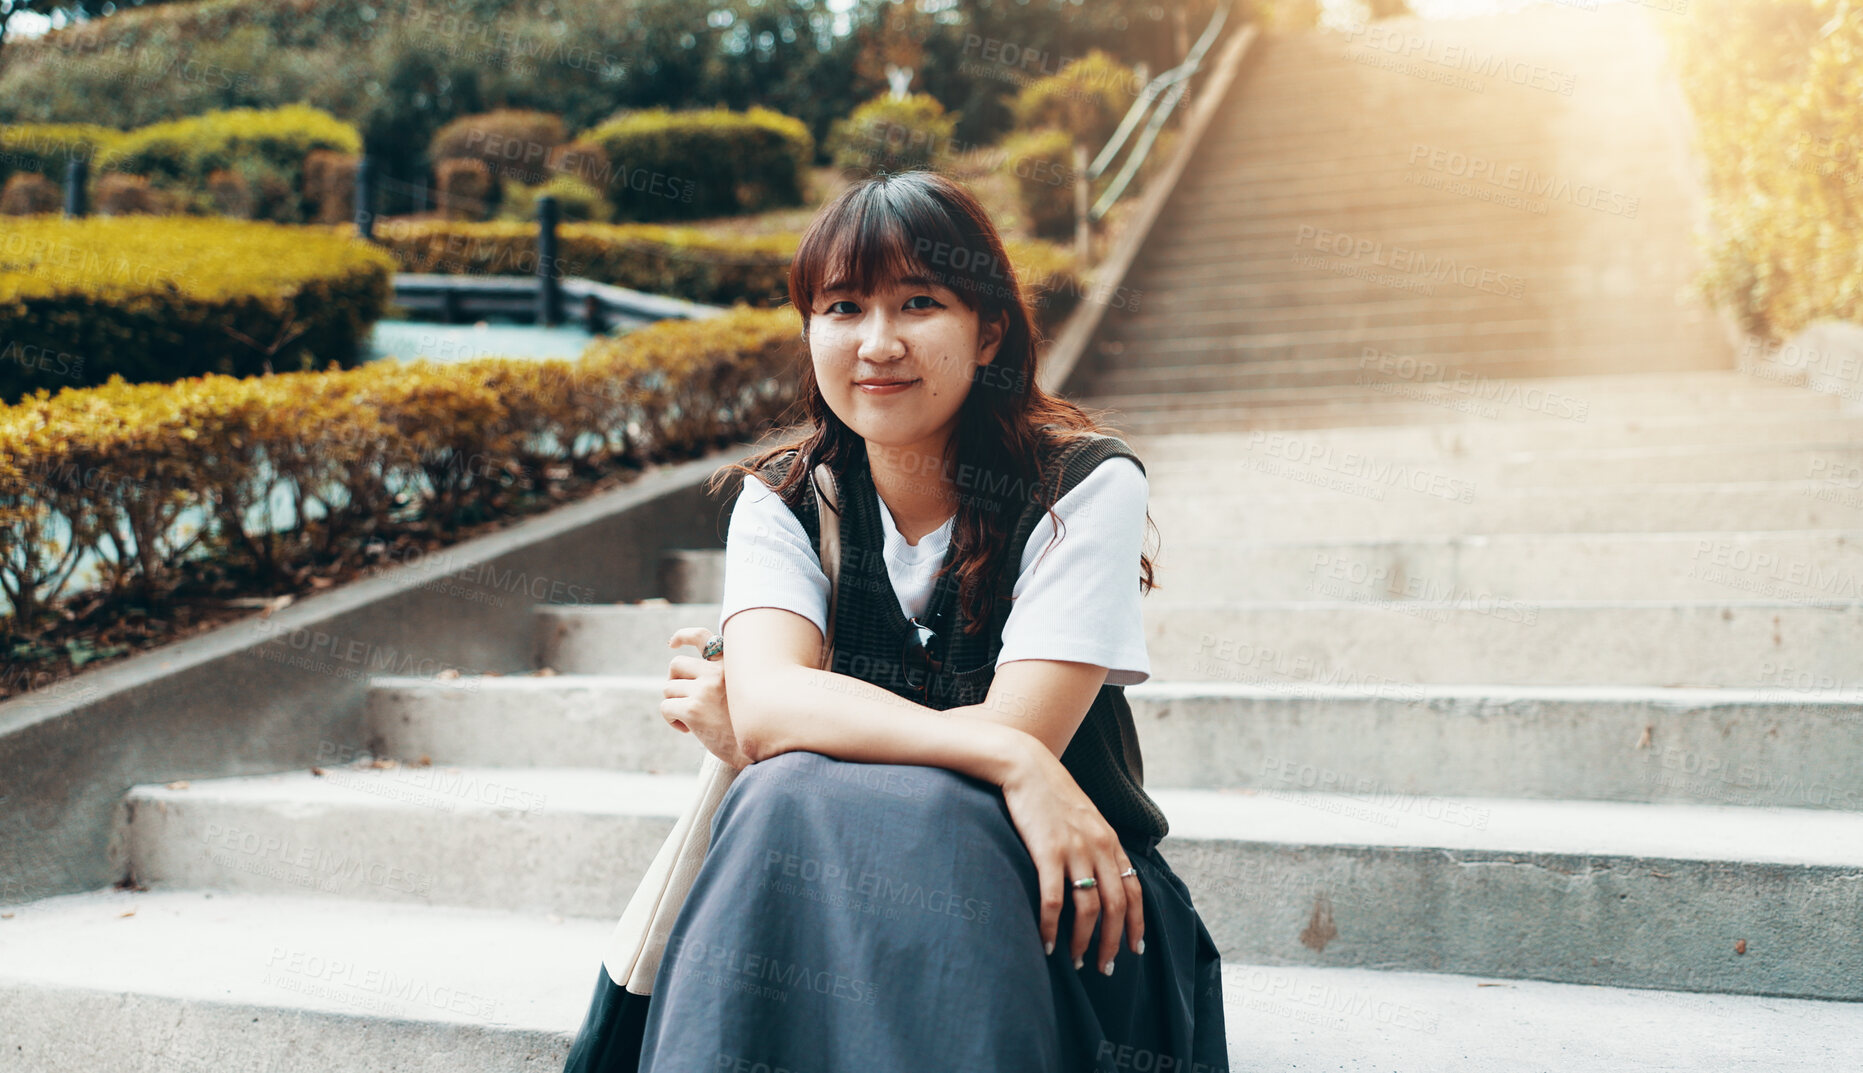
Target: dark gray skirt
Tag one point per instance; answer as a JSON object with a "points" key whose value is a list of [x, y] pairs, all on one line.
{"points": [[884, 917]]}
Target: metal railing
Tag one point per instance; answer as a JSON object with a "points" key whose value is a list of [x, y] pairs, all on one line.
{"points": [[1171, 85]]}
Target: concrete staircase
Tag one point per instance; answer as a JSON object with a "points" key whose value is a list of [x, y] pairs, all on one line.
{"points": [[1508, 717]]}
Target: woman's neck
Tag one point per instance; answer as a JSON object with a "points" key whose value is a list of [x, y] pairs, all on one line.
{"points": [[914, 484]]}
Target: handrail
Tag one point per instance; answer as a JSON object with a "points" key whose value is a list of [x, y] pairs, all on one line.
{"points": [[1176, 80]]}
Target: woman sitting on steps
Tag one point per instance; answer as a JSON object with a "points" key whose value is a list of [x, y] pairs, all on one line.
{"points": [[937, 855]]}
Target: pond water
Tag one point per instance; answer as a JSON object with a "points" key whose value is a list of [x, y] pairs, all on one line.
{"points": [[448, 343]]}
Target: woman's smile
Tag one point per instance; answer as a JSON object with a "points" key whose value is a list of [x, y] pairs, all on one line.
{"points": [[884, 387]]}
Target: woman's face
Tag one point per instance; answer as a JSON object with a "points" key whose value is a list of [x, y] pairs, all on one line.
{"points": [[912, 332]]}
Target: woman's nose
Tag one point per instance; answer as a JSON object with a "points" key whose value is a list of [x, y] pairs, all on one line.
{"points": [[880, 339]]}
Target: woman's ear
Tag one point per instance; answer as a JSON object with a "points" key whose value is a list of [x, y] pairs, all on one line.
{"points": [[990, 336]]}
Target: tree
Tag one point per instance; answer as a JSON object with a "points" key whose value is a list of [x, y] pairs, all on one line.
{"points": [[75, 10]]}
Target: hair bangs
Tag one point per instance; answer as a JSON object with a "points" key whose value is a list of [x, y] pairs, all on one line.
{"points": [[884, 233]]}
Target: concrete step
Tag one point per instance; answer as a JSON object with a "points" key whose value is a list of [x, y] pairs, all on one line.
{"points": [[1690, 897], [1248, 363], [197, 981], [1792, 743], [1437, 508], [1312, 460], [577, 720], [545, 840], [1717, 391], [1807, 565], [1514, 566], [1266, 867], [1380, 648], [1589, 420], [1241, 411]]}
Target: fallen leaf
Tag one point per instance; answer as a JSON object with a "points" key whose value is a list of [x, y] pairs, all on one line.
{"points": [[178, 784], [317, 771]]}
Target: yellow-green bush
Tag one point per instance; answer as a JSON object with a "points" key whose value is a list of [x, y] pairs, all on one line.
{"points": [[267, 146], [26, 194], [1776, 87], [1042, 164], [158, 299], [680, 261], [514, 143], [117, 464], [667, 165], [1087, 98], [683, 262], [46, 148], [463, 187], [887, 134], [575, 200]]}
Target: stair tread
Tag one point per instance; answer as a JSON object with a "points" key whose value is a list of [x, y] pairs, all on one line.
{"points": [[1740, 833], [503, 974]]}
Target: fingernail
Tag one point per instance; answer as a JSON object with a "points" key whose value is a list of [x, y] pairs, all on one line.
{"points": [[1078, 962], [1048, 947], [1108, 970], [1141, 946]]}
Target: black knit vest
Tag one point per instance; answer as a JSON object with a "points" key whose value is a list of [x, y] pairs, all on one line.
{"points": [[871, 632]]}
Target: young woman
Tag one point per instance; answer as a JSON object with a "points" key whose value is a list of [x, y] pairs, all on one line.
{"points": [[938, 853]]}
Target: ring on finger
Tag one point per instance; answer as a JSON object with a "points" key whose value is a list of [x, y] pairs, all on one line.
{"points": [[1130, 871], [1085, 883]]}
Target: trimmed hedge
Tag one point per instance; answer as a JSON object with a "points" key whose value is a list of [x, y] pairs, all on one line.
{"points": [[683, 261], [160, 298], [667, 165], [267, 148], [361, 450], [46, 148], [1087, 98], [1042, 164], [891, 135]]}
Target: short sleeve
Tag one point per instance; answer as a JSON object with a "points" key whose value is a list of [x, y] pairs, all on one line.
{"points": [[1078, 598], [769, 561]]}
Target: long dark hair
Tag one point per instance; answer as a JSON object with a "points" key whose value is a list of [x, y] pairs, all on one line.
{"points": [[892, 225]]}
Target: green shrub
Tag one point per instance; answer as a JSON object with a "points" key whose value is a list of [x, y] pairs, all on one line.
{"points": [[681, 261], [330, 185], [663, 165], [45, 148], [463, 186], [158, 299], [1776, 87], [515, 144], [1087, 98], [268, 147], [1042, 164], [888, 134], [26, 194], [117, 194], [118, 464], [575, 200]]}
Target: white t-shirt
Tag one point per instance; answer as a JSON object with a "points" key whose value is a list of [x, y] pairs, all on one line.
{"points": [[1079, 601]]}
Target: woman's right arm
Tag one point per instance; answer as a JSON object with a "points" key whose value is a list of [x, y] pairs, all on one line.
{"points": [[781, 702]]}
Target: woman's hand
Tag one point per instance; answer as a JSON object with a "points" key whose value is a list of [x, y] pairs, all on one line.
{"points": [[695, 699], [1069, 839]]}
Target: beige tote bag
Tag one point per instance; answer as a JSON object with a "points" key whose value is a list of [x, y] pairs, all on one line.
{"points": [[632, 956]]}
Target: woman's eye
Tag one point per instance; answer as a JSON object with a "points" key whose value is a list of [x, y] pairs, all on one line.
{"points": [[934, 302], [842, 302]]}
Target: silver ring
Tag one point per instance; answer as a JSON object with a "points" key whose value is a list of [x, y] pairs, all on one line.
{"points": [[714, 648], [1085, 883], [1129, 872]]}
